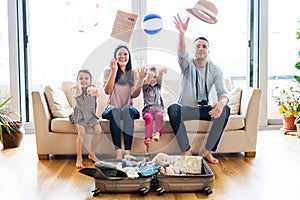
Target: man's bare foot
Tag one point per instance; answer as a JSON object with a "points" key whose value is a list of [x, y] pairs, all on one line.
{"points": [[93, 158], [79, 164], [210, 158], [118, 154], [187, 153]]}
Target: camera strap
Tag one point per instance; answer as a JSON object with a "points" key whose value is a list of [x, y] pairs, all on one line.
{"points": [[204, 82]]}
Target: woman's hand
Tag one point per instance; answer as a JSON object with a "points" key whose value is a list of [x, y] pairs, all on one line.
{"points": [[182, 27], [113, 65]]}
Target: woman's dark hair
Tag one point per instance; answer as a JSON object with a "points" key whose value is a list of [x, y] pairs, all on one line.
{"points": [[85, 71], [129, 74]]}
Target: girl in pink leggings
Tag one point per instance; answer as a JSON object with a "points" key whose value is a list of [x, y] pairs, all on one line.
{"points": [[153, 104]]}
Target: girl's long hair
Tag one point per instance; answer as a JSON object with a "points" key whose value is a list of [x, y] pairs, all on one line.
{"points": [[129, 73]]}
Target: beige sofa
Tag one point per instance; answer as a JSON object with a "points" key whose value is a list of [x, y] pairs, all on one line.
{"points": [[56, 135]]}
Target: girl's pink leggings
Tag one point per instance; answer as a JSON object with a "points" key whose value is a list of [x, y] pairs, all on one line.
{"points": [[149, 117]]}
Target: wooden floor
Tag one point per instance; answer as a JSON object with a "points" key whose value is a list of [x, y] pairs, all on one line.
{"points": [[273, 174]]}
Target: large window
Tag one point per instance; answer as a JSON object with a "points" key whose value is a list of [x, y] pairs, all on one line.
{"points": [[68, 35], [283, 48], [65, 34]]}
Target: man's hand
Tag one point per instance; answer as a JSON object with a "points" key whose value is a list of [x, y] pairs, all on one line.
{"points": [[217, 109], [180, 25]]}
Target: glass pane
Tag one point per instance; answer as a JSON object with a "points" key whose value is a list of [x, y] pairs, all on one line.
{"points": [[283, 48], [228, 38], [4, 52], [64, 33]]}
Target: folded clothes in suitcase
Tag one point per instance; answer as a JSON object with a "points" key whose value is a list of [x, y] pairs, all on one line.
{"points": [[194, 175], [110, 179]]}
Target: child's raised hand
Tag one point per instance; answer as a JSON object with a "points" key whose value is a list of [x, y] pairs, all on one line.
{"points": [[142, 72], [163, 70]]}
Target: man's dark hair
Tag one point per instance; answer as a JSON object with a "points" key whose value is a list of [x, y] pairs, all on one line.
{"points": [[201, 38]]}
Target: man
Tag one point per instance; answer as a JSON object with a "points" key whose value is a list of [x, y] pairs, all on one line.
{"points": [[198, 75]]}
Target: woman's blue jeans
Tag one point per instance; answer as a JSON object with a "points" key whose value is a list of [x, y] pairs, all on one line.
{"points": [[178, 114], [115, 115]]}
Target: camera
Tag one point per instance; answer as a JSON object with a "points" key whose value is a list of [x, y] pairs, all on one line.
{"points": [[202, 103]]}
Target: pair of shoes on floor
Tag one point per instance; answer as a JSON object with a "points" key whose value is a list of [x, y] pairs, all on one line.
{"points": [[156, 137]]}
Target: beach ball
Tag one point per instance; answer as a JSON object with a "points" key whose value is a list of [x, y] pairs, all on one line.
{"points": [[152, 24]]}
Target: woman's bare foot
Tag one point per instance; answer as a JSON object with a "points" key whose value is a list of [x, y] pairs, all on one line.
{"points": [[79, 164], [210, 158], [93, 157], [127, 152], [118, 154], [187, 153]]}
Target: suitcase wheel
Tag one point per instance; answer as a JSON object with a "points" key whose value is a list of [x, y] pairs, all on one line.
{"points": [[208, 190], [96, 192], [160, 191], [144, 191]]}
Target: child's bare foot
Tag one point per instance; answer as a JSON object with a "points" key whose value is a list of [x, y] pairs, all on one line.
{"points": [[156, 136], [147, 142], [210, 158], [93, 158], [118, 154], [187, 153], [79, 164]]}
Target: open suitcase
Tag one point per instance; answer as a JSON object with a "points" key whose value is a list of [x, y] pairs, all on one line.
{"points": [[116, 181], [186, 183]]}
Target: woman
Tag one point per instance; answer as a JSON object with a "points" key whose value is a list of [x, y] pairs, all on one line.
{"points": [[122, 84]]}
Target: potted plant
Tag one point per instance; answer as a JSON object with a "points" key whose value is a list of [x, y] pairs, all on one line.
{"points": [[287, 100], [11, 131], [297, 65]]}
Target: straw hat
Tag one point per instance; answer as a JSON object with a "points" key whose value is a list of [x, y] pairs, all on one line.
{"points": [[205, 11]]}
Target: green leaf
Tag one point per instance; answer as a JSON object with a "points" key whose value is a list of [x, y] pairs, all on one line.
{"points": [[5, 102], [297, 78], [298, 65]]}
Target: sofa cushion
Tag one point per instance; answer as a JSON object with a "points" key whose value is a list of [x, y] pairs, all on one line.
{"points": [[57, 101], [62, 125], [235, 122], [234, 96]]}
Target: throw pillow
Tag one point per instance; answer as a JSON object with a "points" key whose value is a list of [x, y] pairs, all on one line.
{"points": [[234, 96], [58, 102]]}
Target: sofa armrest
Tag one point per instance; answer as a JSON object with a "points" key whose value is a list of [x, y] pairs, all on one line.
{"points": [[41, 114], [250, 109]]}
